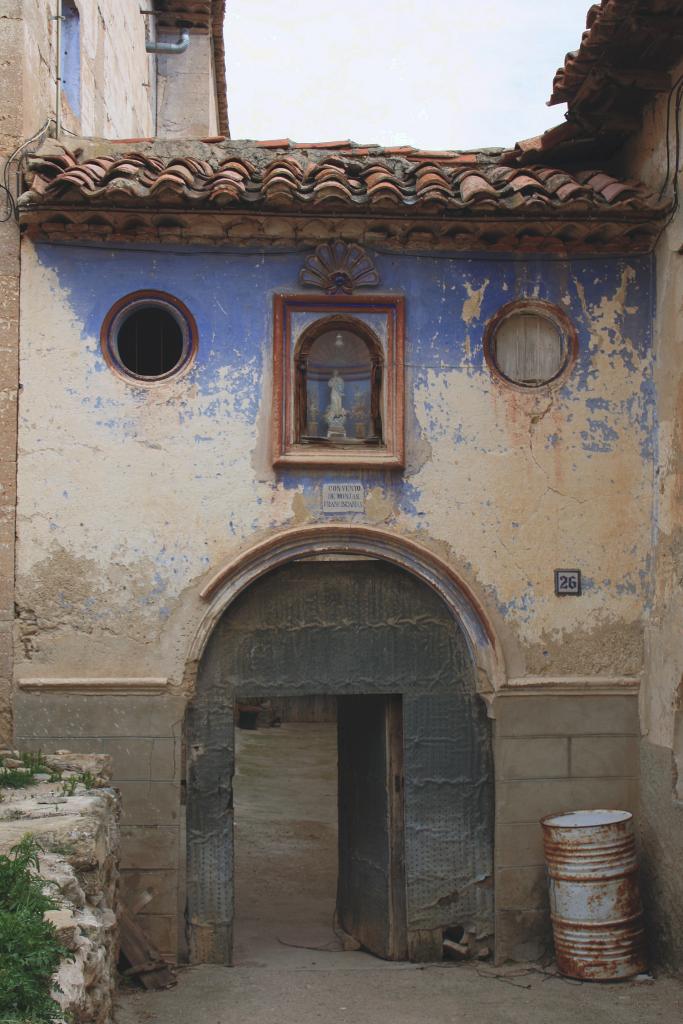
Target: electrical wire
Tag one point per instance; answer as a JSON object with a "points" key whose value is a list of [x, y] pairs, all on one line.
{"points": [[677, 89], [20, 153], [677, 85]]}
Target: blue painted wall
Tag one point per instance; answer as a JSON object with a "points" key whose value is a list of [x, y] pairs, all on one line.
{"points": [[469, 464]]}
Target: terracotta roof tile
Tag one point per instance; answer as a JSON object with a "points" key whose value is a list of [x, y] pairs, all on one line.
{"points": [[251, 176], [631, 41]]}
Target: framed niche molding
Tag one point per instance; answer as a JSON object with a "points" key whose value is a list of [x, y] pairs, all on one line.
{"points": [[338, 385]]}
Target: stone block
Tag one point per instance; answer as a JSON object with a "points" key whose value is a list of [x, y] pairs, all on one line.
{"points": [[155, 847], [522, 935], [519, 845], [9, 365], [661, 855], [5, 656], [522, 888], [528, 801], [9, 248], [11, 8], [538, 758], [153, 892], [9, 296], [8, 490], [74, 715], [134, 758], [149, 803], [596, 756], [567, 715]]}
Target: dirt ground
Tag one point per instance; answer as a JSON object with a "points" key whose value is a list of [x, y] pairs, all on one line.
{"points": [[288, 966]]}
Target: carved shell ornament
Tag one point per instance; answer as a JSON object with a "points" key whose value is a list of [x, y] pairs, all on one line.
{"points": [[337, 267]]}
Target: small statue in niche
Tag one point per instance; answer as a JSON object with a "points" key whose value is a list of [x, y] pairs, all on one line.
{"points": [[335, 414]]}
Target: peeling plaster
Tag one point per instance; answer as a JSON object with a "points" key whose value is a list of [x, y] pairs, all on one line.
{"points": [[160, 485], [471, 307]]}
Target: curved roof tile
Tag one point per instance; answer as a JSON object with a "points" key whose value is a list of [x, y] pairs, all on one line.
{"points": [[298, 179]]}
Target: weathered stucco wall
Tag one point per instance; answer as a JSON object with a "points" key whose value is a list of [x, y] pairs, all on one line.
{"points": [[118, 99], [662, 692], [130, 498], [115, 101]]}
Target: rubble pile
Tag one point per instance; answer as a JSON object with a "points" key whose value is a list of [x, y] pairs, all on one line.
{"points": [[68, 807]]}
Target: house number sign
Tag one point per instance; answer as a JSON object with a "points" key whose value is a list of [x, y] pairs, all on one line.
{"points": [[568, 582], [346, 497]]}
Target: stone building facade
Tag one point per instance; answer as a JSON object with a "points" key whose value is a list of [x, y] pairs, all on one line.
{"points": [[149, 512], [112, 88]]}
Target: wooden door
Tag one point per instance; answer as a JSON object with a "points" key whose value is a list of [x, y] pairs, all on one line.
{"points": [[371, 886]]}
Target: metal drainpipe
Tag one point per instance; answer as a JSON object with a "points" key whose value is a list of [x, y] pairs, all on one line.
{"points": [[58, 83], [178, 47]]}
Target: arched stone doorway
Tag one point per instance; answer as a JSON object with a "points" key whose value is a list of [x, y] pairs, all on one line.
{"points": [[352, 628]]}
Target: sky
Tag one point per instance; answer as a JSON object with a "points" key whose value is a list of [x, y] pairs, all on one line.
{"points": [[441, 74]]}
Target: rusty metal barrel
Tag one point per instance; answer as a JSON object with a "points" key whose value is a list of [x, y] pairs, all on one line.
{"points": [[595, 906]]}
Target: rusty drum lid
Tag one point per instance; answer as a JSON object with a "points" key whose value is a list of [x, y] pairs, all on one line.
{"points": [[585, 819]]}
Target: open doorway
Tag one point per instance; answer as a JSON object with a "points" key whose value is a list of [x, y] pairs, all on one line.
{"points": [[415, 776], [319, 846], [285, 795]]}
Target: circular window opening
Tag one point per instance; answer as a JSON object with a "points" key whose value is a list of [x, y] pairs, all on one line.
{"points": [[149, 336], [530, 347]]}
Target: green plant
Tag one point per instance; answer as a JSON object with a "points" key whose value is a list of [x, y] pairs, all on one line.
{"points": [[16, 778], [69, 787], [35, 763], [88, 780], [30, 951]]}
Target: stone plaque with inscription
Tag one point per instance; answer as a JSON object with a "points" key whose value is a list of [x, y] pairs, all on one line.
{"points": [[345, 497]]}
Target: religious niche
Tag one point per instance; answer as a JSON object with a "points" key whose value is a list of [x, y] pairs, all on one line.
{"points": [[338, 381]]}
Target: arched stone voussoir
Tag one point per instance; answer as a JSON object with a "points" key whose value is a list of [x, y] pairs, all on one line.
{"points": [[368, 541]]}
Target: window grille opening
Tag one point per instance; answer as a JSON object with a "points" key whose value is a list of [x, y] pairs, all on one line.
{"points": [[529, 349], [150, 342], [149, 337]]}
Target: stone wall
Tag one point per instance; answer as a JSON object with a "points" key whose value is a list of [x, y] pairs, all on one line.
{"points": [[118, 100], [131, 499], [142, 735], [661, 702], [79, 835], [553, 753], [118, 89], [12, 127]]}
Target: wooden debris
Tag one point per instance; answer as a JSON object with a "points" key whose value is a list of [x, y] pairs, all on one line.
{"points": [[455, 950], [146, 963]]}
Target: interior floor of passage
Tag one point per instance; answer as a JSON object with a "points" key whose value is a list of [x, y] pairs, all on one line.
{"points": [[286, 846]]}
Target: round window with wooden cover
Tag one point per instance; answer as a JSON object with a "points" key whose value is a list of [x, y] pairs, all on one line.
{"points": [[149, 336], [530, 343], [339, 384]]}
